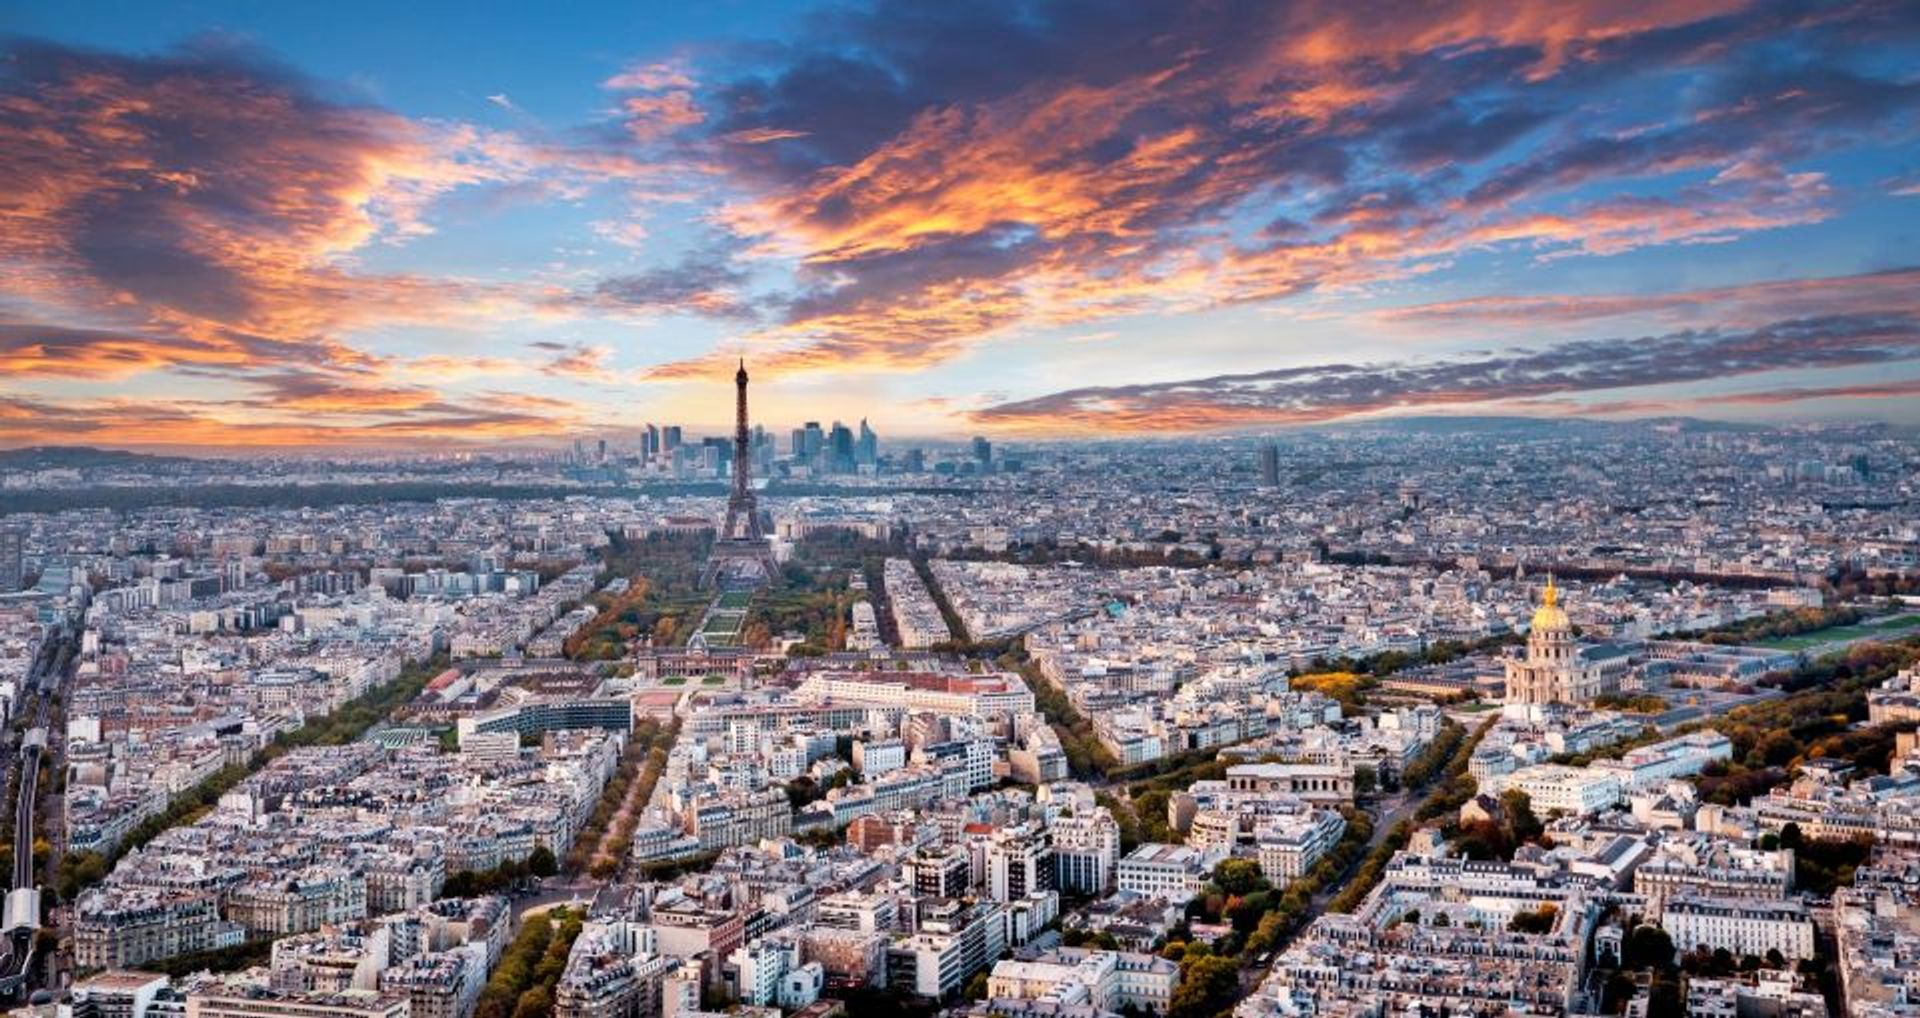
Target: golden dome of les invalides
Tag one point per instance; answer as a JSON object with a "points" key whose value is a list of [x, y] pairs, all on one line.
{"points": [[1550, 616]]}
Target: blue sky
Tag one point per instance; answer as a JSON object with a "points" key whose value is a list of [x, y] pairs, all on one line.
{"points": [[364, 225]]}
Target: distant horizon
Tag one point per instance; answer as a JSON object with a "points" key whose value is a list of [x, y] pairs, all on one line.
{"points": [[244, 226], [891, 443]]}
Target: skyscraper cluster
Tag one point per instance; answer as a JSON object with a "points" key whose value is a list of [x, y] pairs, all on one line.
{"points": [[838, 450]]}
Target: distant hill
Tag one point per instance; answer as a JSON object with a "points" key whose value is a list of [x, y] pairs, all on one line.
{"points": [[79, 457], [1541, 426], [1445, 425]]}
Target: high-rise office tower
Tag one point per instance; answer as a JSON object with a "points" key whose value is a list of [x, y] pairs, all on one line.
{"points": [[764, 448], [233, 574], [840, 449], [866, 450], [12, 557], [983, 452], [670, 438], [1270, 466], [716, 453]]}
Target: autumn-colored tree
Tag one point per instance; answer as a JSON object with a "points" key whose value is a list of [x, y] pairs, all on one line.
{"points": [[1237, 876], [1208, 985]]}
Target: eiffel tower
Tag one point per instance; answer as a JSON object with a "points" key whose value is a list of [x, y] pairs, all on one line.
{"points": [[741, 553]]}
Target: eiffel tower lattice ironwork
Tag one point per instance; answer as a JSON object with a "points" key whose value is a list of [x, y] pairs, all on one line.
{"points": [[741, 551]]}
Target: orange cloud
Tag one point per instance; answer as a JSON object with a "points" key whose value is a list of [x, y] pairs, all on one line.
{"points": [[204, 213], [1073, 198], [38, 349], [654, 116], [212, 204], [1336, 33], [930, 319], [650, 77], [373, 419]]}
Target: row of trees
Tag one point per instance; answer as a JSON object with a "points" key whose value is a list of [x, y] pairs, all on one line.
{"points": [[954, 623], [1348, 687], [469, 883], [1436, 757], [614, 816], [1387, 662], [80, 870], [1087, 756], [1774, 625], [1457, 786], [1632, 703], [1853, 581], [225, 959], [662, 599], [1175, 773], [1048, 551], [522, 984], [1371, 868]]}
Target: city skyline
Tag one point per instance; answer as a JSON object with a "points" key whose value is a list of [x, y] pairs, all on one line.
{"points": [[237, 227], [1435, 715]]}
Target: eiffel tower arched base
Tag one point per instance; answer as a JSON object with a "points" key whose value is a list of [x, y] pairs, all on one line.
{"points": [[745, 562]]}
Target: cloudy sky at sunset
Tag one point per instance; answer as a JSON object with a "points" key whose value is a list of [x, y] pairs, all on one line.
{"points": [[386, 225]]}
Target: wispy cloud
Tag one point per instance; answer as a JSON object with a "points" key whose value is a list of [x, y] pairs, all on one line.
{"points": [[338, 419], [705, 284], [577, 360], [650, 77], [1326, 392], [1745, 303]]}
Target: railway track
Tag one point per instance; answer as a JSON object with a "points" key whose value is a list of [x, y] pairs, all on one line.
{"points": [[22, 910]]}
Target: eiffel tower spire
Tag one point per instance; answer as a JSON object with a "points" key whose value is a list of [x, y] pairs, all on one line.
{"points": [[743, 517], [741, 547]]}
